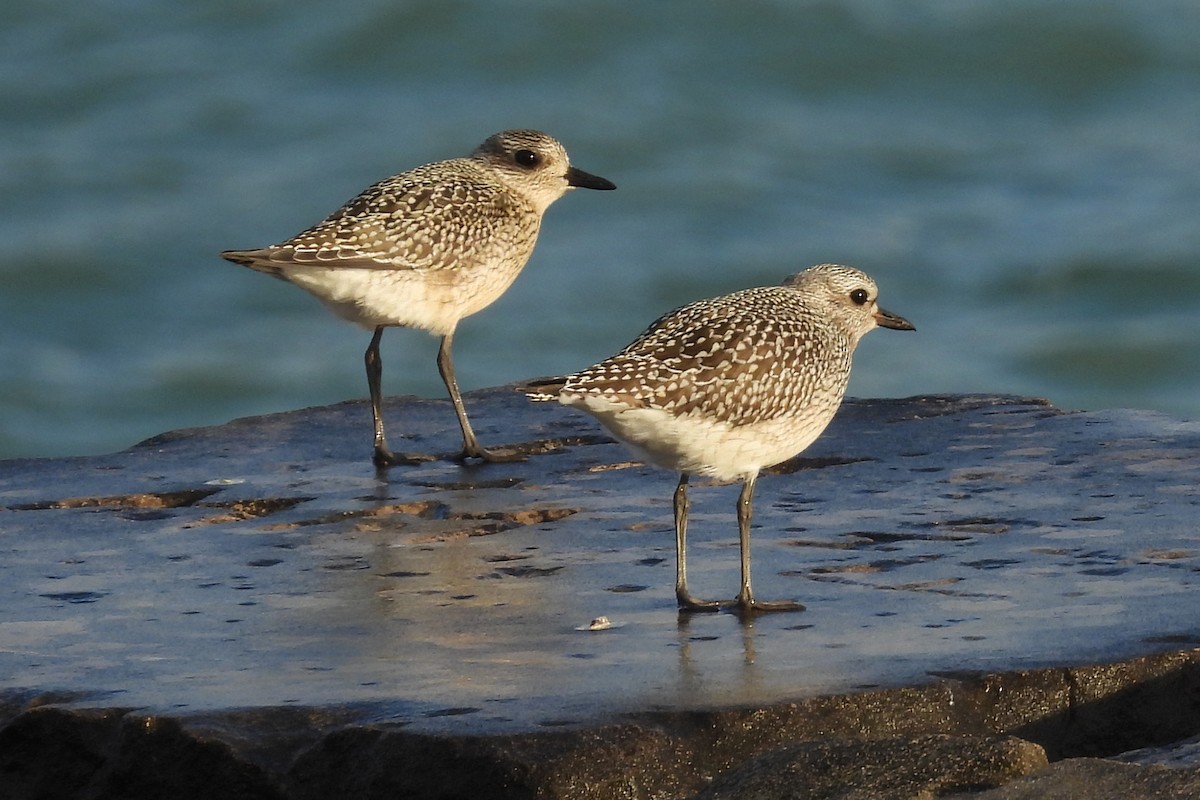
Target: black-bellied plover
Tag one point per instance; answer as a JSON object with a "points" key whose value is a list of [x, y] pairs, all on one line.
{"points": [[723, 388], [427, 247]]}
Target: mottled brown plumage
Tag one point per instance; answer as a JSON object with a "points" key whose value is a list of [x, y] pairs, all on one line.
{"points": [[427, 247], [726, 387]]}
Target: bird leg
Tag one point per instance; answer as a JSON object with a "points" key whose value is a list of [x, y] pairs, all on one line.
{"points": [[682, 596], [745, 599], [471, 446], [383, 456]]}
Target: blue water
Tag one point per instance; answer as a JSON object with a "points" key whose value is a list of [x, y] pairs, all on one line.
{"points": [[1022, 179]]}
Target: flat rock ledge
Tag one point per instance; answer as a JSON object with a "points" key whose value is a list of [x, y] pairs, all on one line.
{"points": [[1001, 604]]}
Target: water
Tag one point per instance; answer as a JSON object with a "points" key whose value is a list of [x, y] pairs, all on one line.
{"points": [[1022, 178]]}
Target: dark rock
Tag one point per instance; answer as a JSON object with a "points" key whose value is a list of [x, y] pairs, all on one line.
{"points": [[931, 739], [51, 752], [54, 753], [609, 762], [888, 769], [1097, 779]]}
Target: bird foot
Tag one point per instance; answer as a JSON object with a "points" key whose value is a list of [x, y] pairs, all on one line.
{"points": [[748, 605], [742, 605], [488, 456], [692, 605], [385, 458]]}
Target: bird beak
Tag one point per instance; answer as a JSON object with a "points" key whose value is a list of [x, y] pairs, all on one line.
{"points": [[888, 320], [586, 180]]}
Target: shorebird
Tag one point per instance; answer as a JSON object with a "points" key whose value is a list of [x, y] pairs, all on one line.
{"points": [[427, 247], [726, 387]]}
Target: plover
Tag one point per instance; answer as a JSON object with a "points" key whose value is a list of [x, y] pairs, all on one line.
{"points": [[724, 388], [427, 247]]}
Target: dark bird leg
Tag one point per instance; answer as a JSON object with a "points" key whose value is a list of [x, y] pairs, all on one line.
{"points": [[471, 447], [745, 598], [383, 456], [682, 596]]}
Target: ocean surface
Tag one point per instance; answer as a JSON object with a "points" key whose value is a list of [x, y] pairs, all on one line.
{"points": [[1022, 178]]}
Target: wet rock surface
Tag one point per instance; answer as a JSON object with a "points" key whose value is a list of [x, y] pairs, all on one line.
{"points": [[252, 610]]}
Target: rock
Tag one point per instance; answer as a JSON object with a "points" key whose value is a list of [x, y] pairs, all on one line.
{"points": [[930, 739], [105, 753], [1185, 753], [889, 769], [609, 762], [1097, 779], [252, 611]]}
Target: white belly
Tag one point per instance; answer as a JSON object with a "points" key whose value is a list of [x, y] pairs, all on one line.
{"points": [[701, 445], [431, 300]]}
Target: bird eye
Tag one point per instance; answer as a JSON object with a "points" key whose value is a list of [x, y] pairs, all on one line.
{"points": [[526, 158], [859, 296]]}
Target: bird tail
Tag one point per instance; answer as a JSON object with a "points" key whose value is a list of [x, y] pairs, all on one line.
{"points": [[257, 260], [541, 390]]}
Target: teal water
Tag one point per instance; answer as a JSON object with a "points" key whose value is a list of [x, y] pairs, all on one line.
{"points": [[1022, 179]]}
